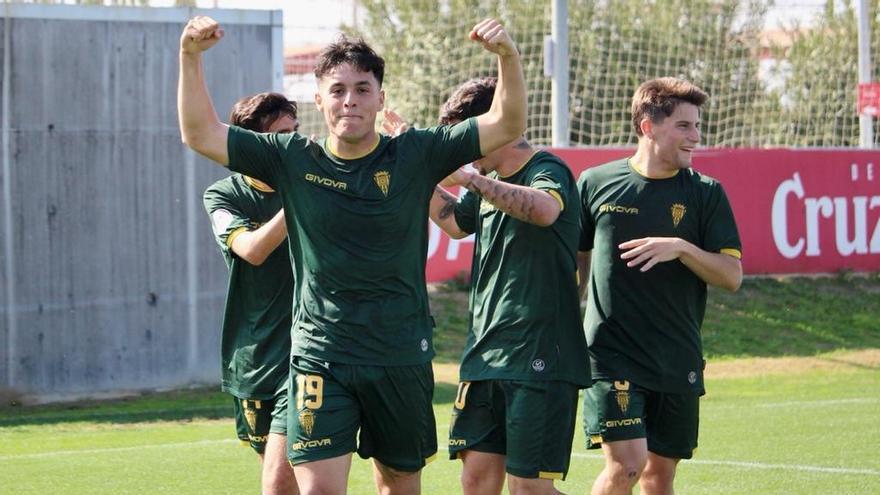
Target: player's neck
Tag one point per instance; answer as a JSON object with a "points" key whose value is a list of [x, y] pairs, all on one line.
{"points": [[352, 150], [514, 159], [649, 165]]}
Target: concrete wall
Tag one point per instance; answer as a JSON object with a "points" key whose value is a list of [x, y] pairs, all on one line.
{"points": [[110, 280]]}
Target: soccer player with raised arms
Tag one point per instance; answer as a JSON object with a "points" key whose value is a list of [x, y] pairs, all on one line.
{"points": [[355, 207], [655, 234], [526, 357], [248, 225]]}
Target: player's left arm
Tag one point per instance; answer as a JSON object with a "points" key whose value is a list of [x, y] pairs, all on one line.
{"points": [[719, 269], [534, 206], [254, 246], [506, 118]]}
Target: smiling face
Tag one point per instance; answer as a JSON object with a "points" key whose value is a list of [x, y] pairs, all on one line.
{"points": [[350, 100], [674, 138]]}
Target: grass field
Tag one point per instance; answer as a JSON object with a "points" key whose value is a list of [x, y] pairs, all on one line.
{"points": [[780, 418]]}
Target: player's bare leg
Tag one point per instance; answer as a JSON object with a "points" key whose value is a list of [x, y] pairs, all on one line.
{"points": [[277, 473], [530, 486], [624, 462], [324, 477], [658, 476], [482, 473], [393, 482]]}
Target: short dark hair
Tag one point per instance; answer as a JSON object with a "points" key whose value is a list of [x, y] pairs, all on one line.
{"points": [[472, 98], [257, 112], [657, 99], [353, 51]]}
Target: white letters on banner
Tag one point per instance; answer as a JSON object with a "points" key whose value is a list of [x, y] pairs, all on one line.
{"points": [[848, 239]]}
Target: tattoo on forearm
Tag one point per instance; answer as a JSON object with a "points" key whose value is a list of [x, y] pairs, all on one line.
{"points": [[515, 202], [449, 202]]}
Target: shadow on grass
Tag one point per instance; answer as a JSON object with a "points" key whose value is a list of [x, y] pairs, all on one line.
{"points": [[188, 405]]}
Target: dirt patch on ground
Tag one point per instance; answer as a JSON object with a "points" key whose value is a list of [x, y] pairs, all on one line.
{"points": [[748, 367]]}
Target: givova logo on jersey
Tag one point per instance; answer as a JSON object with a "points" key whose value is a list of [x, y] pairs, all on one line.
{"points": [[615, 208]]}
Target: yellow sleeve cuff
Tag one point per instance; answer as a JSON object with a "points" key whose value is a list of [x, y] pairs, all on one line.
{"points": [[558, 198], [736, 253], [232, 235]]}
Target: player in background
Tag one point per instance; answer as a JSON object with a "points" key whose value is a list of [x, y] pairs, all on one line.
{"points": [[526, 357], [248, 225], [655, 234], [355, 207]]}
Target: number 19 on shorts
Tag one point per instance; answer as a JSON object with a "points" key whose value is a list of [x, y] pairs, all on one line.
{"points": [[309, 391]]}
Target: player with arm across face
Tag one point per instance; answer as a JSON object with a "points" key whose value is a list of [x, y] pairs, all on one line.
{"points": [[355, 204], [655, 234], [526, 357], [248, 224]]}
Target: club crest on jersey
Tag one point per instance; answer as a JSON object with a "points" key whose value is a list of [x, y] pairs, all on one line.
{"points": [[538, 365], [678, 211], [622, 397], [307, 421], [382, 179]]}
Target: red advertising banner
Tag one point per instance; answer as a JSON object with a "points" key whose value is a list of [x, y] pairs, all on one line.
{"points": [[869, 99], [798, 211]]}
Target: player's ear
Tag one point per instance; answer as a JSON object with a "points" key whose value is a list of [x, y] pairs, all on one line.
{"points": [[318, 102], [647, 127], [382, 97]]}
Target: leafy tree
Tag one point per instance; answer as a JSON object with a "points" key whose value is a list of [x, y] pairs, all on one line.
{"points": [[613, 47], [821, 79]]}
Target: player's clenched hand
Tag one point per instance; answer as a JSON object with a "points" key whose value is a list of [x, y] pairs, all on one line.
{"points": [[199, 34], [650, 251], [491, 34], [392, 123]]}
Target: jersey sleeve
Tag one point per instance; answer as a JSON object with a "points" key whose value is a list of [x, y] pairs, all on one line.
{"points": [[588, 226], [255, 154], [448, 147], [467, 211], [227, 220], [720, 234], [554, 178]]}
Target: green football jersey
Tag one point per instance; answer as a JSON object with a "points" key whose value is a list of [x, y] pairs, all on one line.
{"points": [[645, 326], [525, 315], [255, 342], [358, 236]]}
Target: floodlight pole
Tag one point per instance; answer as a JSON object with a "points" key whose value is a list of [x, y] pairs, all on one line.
{"points": [[560, 68], [866, 124]]}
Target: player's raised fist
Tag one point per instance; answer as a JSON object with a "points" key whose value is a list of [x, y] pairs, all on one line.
{"points": [[199, 34], [491, 34]]}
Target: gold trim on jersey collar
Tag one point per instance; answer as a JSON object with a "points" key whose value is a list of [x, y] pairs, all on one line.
{"points": [[635, 169], [357, 157]]}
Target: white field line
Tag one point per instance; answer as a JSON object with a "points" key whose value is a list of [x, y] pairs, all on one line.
{"points": [[579, 455], [794, 403]]}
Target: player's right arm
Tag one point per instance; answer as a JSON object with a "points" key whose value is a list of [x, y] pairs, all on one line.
{"points": [[506, 118], [254, 246], [200, 128]]}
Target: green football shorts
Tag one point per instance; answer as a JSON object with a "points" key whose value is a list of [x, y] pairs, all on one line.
{"points": [[255, 418], [390, 405], [531, 423], [621, 410]]}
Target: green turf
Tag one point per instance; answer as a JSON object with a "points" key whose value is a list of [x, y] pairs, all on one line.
{"points": [[774, 434], [802, 432]]}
